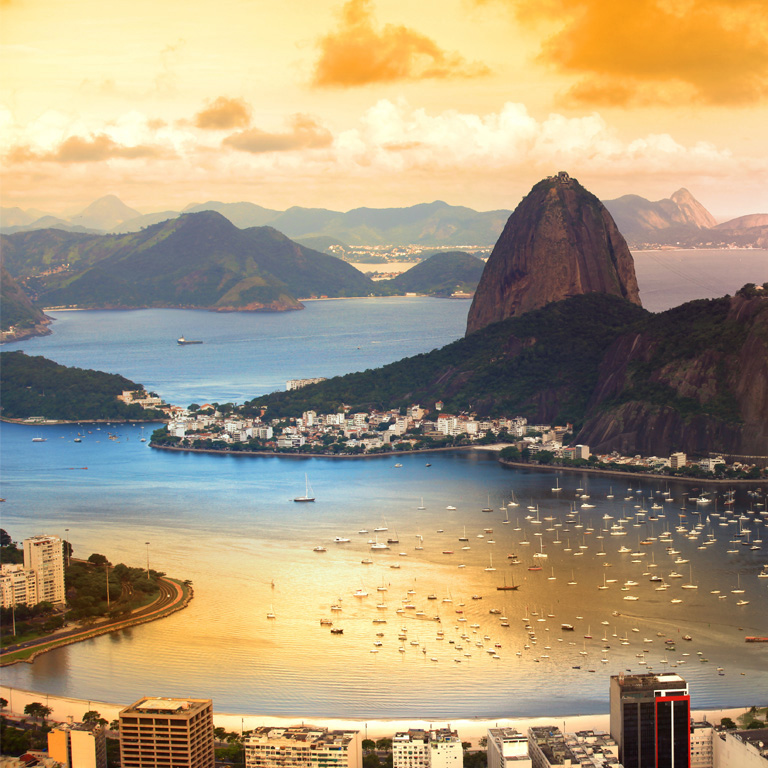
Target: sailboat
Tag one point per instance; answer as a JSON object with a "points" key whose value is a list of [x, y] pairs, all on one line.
{"points": [[421, 505], [308, 493], [507, 587], [490, 567]]}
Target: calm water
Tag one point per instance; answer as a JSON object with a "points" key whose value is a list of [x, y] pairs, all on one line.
{"points": [[228, 524]]}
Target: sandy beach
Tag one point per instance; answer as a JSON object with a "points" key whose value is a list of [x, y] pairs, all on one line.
{"points": [[469, 730]]}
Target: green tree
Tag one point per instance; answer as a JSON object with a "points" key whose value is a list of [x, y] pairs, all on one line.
{"points": [[369, 745], [37, 709], [726, 722], [97, 559]]}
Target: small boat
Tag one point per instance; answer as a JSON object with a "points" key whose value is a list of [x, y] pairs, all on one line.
{"points": [[340, 540], [567, 627], [181, 341], [39, 439], [337, 631], [319, 549], [308, 494]]}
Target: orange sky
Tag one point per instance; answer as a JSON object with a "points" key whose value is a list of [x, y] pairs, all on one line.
{"points": [[381, 102]]}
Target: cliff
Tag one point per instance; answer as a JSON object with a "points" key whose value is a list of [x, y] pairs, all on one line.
{"points": [[693, 379], [559, 242]]}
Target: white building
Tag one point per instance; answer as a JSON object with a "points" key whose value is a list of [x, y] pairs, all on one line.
{"points": [[417, 748], [303, 747], [507, 748], [40, 579], [678, 460], [740, 749]]}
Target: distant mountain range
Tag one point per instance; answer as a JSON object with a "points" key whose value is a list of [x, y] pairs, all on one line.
{"points": [[679, 219]]}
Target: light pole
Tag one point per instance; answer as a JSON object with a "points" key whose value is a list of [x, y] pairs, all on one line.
{"points": [[147, 543]]}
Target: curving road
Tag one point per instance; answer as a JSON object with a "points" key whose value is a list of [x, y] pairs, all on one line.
{"points": [[170, 599]]}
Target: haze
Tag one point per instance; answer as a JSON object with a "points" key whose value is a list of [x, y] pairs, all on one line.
{"points": [[381, 103]]}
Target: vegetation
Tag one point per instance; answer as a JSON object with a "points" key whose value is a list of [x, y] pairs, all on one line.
{"points": [[36, 386], [504, 369], [441, 275], [15, 307]]}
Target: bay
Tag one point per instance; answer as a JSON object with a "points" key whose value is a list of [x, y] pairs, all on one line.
{"points": [[228, 524]]}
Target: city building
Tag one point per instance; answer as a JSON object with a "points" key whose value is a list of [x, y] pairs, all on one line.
{"points": [[547, 747], [701, 744], [167, 733], [741, 749], [41, 578], [79, 745], [650, 720], [678, 460], [417, 748], [303, 747], [301, 383], [507, 748]]}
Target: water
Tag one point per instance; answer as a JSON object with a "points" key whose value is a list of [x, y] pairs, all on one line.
{"points": [[228, 524]]}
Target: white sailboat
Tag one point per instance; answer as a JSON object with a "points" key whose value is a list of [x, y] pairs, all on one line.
{"points": [[308, 493]]}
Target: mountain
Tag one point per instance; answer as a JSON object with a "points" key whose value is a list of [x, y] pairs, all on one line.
{"points": [[197, 260], [692, 378], [744, 222], [441, 274], [104, 213], [140, 222], [49, 222], [242, 215], [559, 242], [17, 311], [17, 217], [664, 221]]}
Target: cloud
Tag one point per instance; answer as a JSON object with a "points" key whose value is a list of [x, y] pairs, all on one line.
{"points": [[653, 51], [357, 53], [77, 149], [305, 133], [224, 114]]}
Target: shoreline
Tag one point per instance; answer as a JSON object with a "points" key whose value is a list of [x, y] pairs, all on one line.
{"points": [[53, 423], [470, 729], [521, 465]]}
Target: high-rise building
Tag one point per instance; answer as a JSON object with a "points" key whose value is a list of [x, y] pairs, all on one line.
{"points": [[40, 579], [303, 746], [167, 733], [78, 746], [650, 720]]}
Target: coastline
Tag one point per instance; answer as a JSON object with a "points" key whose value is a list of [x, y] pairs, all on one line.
{"points": [[53, 423], [470, 729], [517, 464]]}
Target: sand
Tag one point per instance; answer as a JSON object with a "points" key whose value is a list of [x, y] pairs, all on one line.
{"points": [[470, 730]]}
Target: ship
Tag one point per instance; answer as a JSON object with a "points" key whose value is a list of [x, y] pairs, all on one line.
{"points": [[181, 340]]}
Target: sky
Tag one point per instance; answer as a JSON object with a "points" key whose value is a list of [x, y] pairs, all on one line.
{"points": [[380, 103]]}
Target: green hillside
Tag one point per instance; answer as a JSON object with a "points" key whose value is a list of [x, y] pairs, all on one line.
{"points": [[441, 274], [36, 386]]}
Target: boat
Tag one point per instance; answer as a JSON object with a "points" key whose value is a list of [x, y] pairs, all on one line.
{"points": [[567, 627], [340, 540], [319, 549], [181, 341], [308, 493], [337, 631], [39, 439], [507, 586]]}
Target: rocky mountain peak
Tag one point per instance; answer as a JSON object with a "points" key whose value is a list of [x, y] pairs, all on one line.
{"points": [[559, 242], [692, 210]]}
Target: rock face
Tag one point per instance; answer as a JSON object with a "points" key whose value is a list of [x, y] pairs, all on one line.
{"points": [[692, 379], [559, 242]]}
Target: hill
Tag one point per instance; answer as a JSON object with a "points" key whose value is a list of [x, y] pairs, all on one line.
{"points": [[559, 242], [197, 260], [19, 318], [691, 379], [36, 386], [441, 274]]}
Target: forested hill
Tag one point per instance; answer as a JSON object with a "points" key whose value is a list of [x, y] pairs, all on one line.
{"points": [[690, 379], [36, 386], [543, 365], [441, 274]]}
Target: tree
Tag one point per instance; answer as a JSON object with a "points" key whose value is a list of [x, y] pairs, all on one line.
{"points": [[92, 716], [97, 559], [384, 744], [3, 703], [37, 709], [369, 745], [755, 724], [726, 722]]}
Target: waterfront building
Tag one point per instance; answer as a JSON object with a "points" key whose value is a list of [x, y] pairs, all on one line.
{"points": [[79, 745], [741, 749], [418, 748], [701, 744], [303, 747], [299, 383], [41, 578], [167, 733], [507, 748], [678, 460], [650, 720]]}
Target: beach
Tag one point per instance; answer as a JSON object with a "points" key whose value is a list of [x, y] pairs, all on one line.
{"points": [[67, 709]]}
